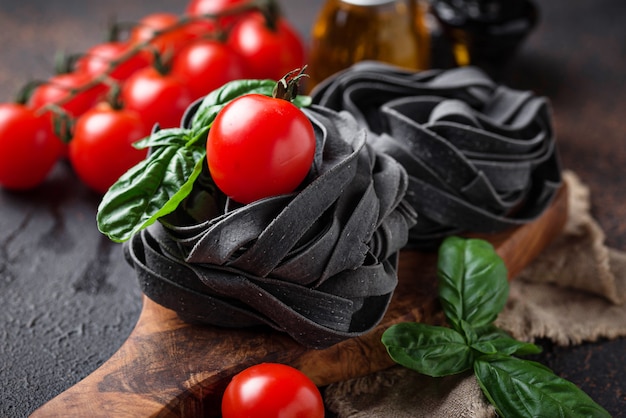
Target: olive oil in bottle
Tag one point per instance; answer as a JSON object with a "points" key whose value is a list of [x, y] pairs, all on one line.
{"points": [[348, 31]]}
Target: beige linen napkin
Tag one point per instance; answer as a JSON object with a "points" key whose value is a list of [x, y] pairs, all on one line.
{"points": [[574, 291]]}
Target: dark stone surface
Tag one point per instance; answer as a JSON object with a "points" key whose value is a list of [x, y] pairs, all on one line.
{"points": [[67, 298]]}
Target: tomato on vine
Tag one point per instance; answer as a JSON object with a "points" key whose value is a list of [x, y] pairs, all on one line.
{"points": [[259, 146], [28, 148], [200, 7], [271, 49], [206, 64], [158, 96], [167, 33], [272, 390], [99, 58], [74, 92], [101, 148], [213, 7]]}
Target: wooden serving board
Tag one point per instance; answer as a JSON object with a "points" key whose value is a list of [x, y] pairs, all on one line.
{"points": [[168, 368]]}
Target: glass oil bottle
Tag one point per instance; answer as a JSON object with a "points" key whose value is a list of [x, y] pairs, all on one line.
{"points": [[349, 31]]}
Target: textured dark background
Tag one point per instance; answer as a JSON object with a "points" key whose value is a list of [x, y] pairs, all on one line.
{"points": [[68, 300]]}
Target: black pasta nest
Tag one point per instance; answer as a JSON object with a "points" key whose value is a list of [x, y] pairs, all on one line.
{"points": [[481, 157], [319, 264], [450, 147]]}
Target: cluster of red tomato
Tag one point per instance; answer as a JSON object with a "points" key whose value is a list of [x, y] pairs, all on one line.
{"points": [[166, 63]]}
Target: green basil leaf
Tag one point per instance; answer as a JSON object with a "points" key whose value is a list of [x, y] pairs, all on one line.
{"points": [[468, 331], [150, 190], [164, 137], [217, 99], [522, 388], [472, 279], [302, 101], [494, 340], [428, 349]]}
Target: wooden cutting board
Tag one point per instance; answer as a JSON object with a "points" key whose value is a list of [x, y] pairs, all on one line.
{"points": [[168, 368]]}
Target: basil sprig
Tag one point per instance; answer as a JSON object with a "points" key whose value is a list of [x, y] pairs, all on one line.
{"points": [[157, 185], [473, 289]]}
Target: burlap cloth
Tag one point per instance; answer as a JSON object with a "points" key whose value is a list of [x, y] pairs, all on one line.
{"points": [[574, 292]]}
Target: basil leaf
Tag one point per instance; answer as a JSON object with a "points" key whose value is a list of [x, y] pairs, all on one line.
{"points": [[468, 332], [217, 99], [472, 278], [494, 340], [302, 101], [522, 388], [164, 137], [151, 189], [428, 349]]}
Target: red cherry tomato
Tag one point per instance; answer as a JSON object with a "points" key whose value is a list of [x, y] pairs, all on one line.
{"points": [[271, 390], [173, 38], [59, 88], [158, 98], [270, 54], [98, 58], [202, 7], [205, 65], [28, 148], [259, 146], [101, 149]]}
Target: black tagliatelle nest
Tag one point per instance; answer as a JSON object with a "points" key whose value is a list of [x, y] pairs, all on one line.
{"points": [[452, 147], [319, 264], [481, 157]]}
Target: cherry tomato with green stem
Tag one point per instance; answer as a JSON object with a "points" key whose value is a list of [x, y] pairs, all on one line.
{"points": [[259, 146], [75, 92], [158, 96], [28, 147], [166, 32], [206, 64], [101, 149], [269, 52], [109, 56], [200, 7], [214, 7], [72, 94], [272, 390]]}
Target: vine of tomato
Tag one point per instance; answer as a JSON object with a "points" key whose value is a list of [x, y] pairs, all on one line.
{"points": [[101, 149], [212, 7], [28, 148], [272, 390], [206, 64], [62, 89], [157, 97], [97, 60], [166, 33], [269, 52], [259, 146], [200, 7]]}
